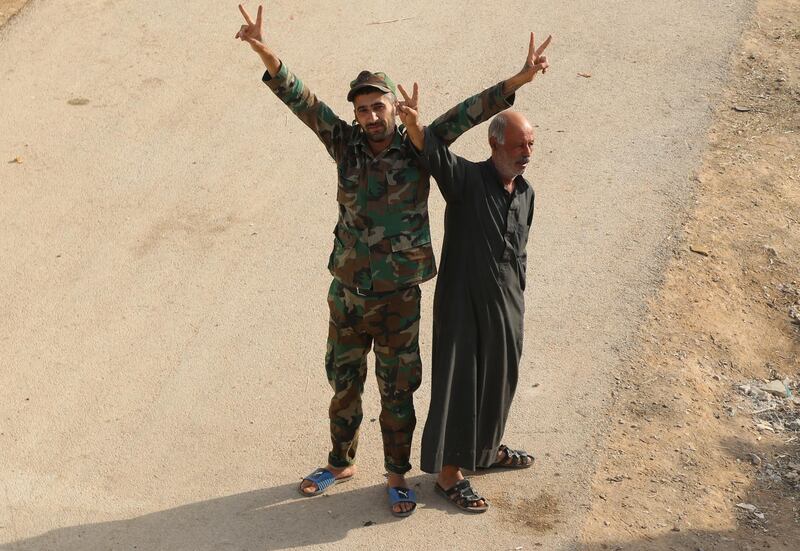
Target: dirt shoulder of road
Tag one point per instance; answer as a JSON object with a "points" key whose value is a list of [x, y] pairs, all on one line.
{"points": [[10, 8], [698, 456]]}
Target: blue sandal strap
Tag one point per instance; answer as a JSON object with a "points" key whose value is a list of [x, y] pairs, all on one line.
{"points": [[402, 495], [321, 478]]}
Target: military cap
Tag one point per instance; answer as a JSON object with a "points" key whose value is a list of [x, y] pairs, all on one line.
{"points": [[366, 79]]}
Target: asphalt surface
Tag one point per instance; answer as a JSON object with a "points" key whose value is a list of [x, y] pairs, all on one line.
{"points": [[164, 241]]}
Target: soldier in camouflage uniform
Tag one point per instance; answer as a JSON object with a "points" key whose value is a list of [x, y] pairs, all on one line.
{"points": [[381, 253]]}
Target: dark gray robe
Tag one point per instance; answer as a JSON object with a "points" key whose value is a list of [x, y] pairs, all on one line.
{"points": [[478, 310]]}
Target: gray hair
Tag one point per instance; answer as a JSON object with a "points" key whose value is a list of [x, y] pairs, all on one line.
{"points": [[497, 128]]}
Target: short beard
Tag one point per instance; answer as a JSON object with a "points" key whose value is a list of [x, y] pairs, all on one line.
{"points": [[380, 137], [507, 168]]}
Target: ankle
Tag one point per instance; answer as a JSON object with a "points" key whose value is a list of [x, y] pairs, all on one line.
{"points": [[395, 479], [348, 469], [450, 470], [450, 474]]}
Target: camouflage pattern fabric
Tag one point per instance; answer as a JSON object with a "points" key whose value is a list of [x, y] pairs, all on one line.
{"points": [[381, 247], [391, 321], [382, 239]]}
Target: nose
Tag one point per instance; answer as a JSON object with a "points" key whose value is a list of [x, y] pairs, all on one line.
{"points": [[528, 149]]}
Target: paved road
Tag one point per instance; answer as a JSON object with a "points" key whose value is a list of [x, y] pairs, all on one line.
{"points": [[163, 287]]}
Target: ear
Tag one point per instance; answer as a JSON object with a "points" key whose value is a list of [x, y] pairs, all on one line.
{"points": [[493, 142]]}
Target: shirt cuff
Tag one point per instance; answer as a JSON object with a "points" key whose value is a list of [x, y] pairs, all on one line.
{"points": [[416, 153], [432, 146], [282, 72], [505, 101]]}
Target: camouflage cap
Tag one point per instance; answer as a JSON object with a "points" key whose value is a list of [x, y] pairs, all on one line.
{"points": [[366, 79]]}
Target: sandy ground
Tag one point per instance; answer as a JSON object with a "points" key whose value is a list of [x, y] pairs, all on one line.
{"points": [[685, 454], [165, 226], [9, 8]]}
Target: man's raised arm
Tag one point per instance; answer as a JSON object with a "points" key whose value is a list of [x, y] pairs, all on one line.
{"points": [[320, 118], [446, 167], [483, 106], [535, 62], [251, 33]]}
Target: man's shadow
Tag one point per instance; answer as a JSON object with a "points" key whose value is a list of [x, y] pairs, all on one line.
{"points": [[268, 519]]}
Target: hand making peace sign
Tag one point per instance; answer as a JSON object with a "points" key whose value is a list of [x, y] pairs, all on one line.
{"points": [[407, 109], [251, 32], [536, 61]]}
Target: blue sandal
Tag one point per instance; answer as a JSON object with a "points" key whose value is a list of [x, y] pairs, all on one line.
{"points": [[401, 495], [323, 479]]}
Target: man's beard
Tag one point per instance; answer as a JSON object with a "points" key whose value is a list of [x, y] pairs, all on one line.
{"points": [[509, 167], [373, 136]]}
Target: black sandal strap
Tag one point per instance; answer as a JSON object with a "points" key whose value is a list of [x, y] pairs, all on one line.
{"points": [[513, 458], [463, 493]]}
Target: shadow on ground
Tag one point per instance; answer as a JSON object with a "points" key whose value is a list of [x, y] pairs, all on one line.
{"points": [[268, 519], [278, 518]]}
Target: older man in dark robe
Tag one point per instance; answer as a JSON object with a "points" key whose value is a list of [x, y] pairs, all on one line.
{"points": [[479, 303]]}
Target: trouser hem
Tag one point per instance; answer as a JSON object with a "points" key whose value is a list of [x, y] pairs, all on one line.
{"points": [[334, 461]]}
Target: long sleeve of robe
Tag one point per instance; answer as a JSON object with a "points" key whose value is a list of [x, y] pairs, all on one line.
{"points": [[478, 309]]}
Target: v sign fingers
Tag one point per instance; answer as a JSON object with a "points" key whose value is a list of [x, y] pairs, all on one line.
{"points": [[536, 62], [410, 101], [532, 47], [544, 45], [251, 32], [403, 92], [247, 15]]}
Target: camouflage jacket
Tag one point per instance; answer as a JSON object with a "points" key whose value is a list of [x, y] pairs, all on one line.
{"points": [[382, 240]]}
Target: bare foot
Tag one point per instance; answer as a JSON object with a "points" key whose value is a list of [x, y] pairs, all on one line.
{"points": [[450, 476], [308, 487], [398, 481]]}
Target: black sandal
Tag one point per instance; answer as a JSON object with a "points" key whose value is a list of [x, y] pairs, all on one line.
{"points": [[515, 459], [463, 496]]}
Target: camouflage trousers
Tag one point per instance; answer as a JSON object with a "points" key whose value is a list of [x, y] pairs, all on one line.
{"points": [[391, 322]]}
